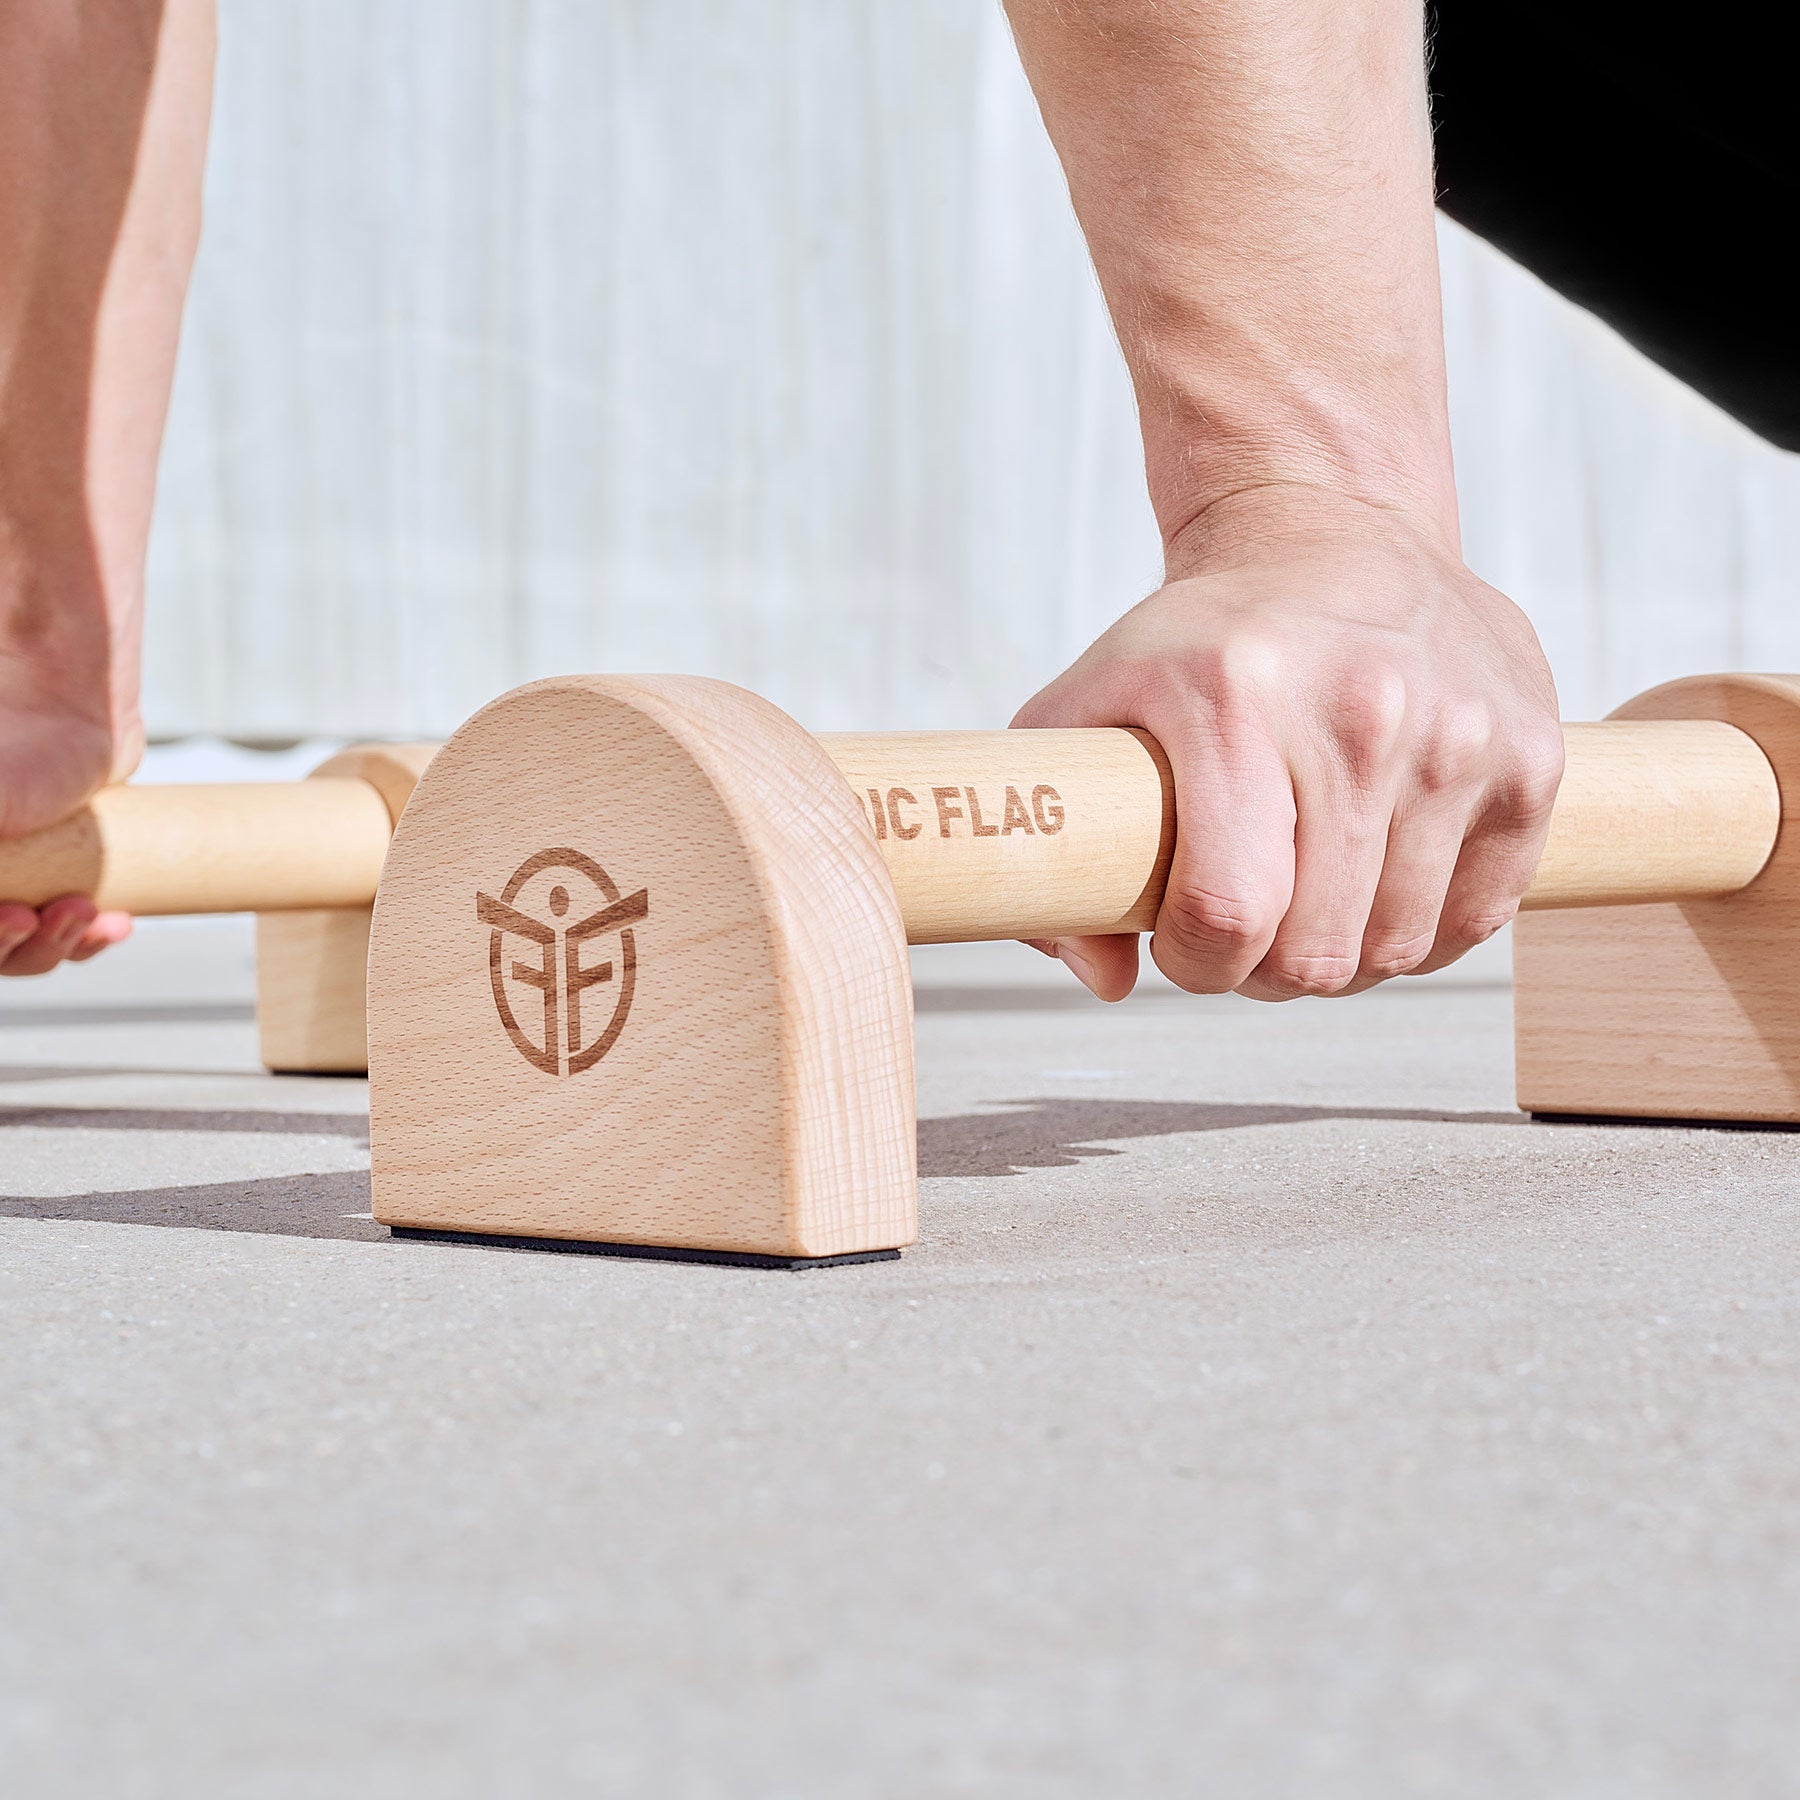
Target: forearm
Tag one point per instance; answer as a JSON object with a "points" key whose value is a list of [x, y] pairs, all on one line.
{"points": [[1371, 729], [103, 115], [1254, 180]]}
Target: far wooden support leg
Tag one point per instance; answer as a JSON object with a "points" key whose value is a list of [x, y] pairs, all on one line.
{"points": [[312, 967], [312, 977], [1682, 1011]]}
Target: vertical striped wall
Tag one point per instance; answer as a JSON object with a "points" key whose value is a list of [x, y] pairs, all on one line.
{"points": [[754, 337]]}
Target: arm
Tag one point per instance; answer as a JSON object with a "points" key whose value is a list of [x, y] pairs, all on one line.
{"points": [[103, 113], [1363, 734]]}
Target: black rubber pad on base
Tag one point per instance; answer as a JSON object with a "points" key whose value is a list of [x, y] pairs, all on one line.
{"points": [[1564, 1118], [737, 1259]]}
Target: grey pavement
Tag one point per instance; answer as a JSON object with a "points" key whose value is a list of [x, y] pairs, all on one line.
{"points": [[1267, 1409]]}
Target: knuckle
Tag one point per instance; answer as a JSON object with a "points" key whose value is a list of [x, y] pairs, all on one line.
{"points": [[1454, 748], [1525, 793], [1208, 941], [1388, 957], [1475, 925], [1366, 720], [1206, 922], [1309, 973], [1249, 662]]}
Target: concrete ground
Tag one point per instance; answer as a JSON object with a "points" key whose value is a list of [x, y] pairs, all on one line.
{"points": [[1267, 1409]]}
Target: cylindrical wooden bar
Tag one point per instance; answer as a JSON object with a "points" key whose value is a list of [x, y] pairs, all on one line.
{"points": [[987, 834], [1044, 834], [225, 847], [1657, 809], [1005, 834]]}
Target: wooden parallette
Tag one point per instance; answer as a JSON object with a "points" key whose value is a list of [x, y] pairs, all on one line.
{"points": [[305, 857], [637, 972]]}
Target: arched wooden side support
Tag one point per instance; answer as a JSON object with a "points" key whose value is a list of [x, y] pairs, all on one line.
{"points": [[638, 978]]}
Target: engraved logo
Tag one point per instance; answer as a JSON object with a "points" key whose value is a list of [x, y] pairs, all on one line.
{"points": [[556, 882]]}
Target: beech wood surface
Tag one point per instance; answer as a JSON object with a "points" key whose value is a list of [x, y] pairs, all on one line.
{"points": [[312, 964], [1656, 810], [1041, 834], [637, 976], [212, 848], [986, 835], [1015, 834], [1688, 1010]]}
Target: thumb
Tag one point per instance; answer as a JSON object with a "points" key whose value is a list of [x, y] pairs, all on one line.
{"points": [[1108, 966]]}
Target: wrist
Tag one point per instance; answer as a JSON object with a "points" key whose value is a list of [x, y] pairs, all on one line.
{"points": [[63, 654], [1270, 515], [1234, 448]]}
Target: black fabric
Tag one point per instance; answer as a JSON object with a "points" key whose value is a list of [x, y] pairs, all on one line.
{"points": [[1647, 171]]}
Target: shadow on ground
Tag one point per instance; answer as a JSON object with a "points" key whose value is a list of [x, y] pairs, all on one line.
{"points": [[316, 1206], [1071, 996], [309, 1206], [167, 1118], [1027, 1134], [1057, 1133]]}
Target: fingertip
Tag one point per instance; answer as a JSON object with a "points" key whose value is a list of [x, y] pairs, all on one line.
{"points": [[1105, 966], [116, 926], [108, 929]]}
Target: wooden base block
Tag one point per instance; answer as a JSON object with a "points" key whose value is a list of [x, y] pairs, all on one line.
{"points": [[638, 978], [312, 966], [312, 971], [1685, 1011]]}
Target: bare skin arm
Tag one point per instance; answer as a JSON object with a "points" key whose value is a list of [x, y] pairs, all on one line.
{"points": [[103, 116], [1363, 734]]}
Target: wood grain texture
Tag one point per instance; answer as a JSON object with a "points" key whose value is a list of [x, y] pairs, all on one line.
{"points": [[998, 834], [984, 834], [1038, 834], [754, 1092], [392, 770], [225, 847], [1682, 1011], [1653, 809], [312, 965], [312, 972]]}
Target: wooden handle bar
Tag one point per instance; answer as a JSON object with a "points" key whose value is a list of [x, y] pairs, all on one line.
{"points": [[1663, 809], [988, 834], [1002, 834], [223, 847]]}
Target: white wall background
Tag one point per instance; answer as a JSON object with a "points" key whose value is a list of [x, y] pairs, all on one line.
{"points": [[755, 338]]}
